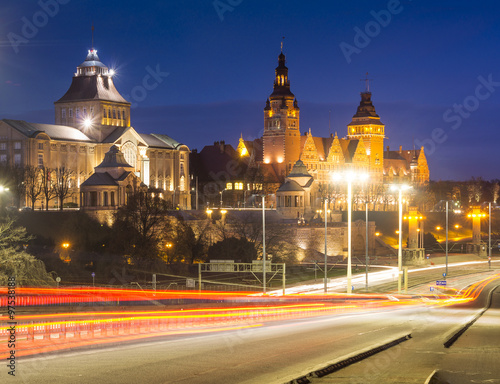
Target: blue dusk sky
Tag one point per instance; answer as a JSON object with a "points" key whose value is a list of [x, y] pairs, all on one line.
{"points": [[434, 65]]}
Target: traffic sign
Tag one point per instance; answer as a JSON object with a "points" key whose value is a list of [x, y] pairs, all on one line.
{"points": [[92, 274], [431, 288], [444, 274], [441, 282]]}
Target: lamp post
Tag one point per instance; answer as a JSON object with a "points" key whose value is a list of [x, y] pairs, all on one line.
{"points": [[366, 248], [221, 196], [264, 243], [326, 247], [489, 235], [349, 177], [400, 188], [446, 240]]}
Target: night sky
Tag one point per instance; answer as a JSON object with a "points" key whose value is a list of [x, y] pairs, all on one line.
{"points": [[434, 64]]}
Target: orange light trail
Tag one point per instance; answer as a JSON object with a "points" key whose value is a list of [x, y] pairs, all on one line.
{"points": [[87, 328]]}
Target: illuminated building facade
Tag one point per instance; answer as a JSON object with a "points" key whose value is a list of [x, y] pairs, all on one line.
{"points": [[362, 149], [91, 118]]}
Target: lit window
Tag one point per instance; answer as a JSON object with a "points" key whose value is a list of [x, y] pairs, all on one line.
{"points": [[182, 183], [130, 153], [238, 186], [17, 145], [229, 185]]}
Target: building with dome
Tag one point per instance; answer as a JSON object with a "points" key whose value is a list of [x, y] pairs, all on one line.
{"points": [[92, 124]]}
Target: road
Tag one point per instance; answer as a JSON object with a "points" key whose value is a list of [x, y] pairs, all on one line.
{"points": [[472, 359], [275, 352]]}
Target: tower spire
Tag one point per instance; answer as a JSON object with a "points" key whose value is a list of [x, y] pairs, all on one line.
{"points": [[92, 28], [282, 41], [367, 83]]}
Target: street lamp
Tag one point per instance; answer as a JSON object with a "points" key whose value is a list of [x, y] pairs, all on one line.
{"points": [[349, 177], [264, 243], [221, 196], [489, 235], [400, 188]]}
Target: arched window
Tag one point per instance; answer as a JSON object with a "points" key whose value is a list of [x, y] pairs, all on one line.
{"points": [[129, 150]]}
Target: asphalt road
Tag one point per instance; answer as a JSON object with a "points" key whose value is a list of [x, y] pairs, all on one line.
{"points": [[474, 358], [273, 353]]}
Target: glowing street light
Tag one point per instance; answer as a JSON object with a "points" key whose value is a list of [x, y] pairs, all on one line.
{"points": [[400, 188], [349, 177]]}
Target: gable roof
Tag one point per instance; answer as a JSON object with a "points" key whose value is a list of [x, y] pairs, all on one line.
{"points": [[55, 132]]}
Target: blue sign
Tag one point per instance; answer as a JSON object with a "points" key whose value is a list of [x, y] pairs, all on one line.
{"points": [[441, 282], [432, 289], [92, 274], [444, 274]]}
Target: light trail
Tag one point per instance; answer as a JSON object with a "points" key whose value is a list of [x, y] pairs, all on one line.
{"points": [[55, 331]]}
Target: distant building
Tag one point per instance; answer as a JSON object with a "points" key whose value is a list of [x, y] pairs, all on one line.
{"points": [[362, 149], [92, 118]]}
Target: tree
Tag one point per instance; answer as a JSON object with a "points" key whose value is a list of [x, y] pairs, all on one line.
{"points": [[141, 226], [189, 245], [495, 191], [48, 190], [233, 248], [14, 261], [33, 184], [62, 184], [12, 177]]}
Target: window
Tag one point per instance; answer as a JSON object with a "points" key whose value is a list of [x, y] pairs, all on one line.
{"points": [[112, 199], [17, 159], [229, 185], [182, 184], [84, 112], [3, 146], [3, 159], [40, 160], [92, 111], [238, 186], [130, 153], [93, 199], [77, 113], [105, 114], [40, 145], [114, 113], [70, 112], [63, 113], [17, 145], [105, 199]]}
